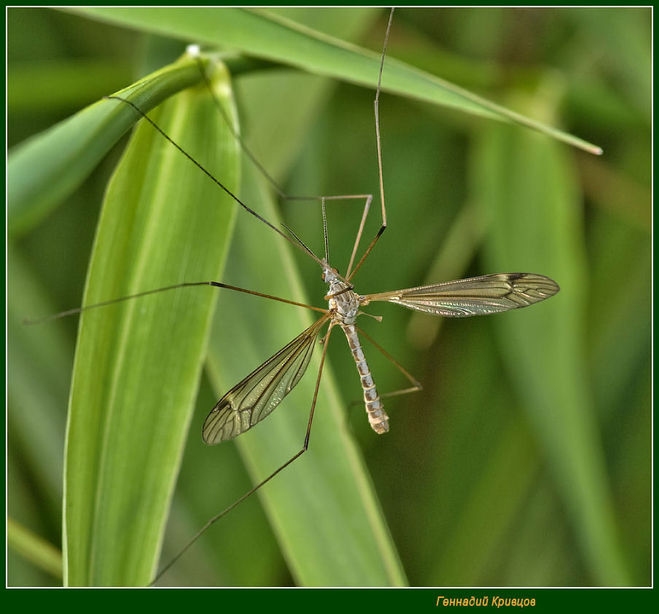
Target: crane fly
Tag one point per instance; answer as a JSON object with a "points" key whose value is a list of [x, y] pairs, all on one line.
{"points": [[261, 392], [255, 397]]}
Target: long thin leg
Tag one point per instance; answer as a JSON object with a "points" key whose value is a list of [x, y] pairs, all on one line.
{"points": [[298, 244], [188, 284], [367, 197], [376, 108], [360, 230], [294, 241], [224, 512], [280, 191], [350, 272], [248, 152], [213, 178]]}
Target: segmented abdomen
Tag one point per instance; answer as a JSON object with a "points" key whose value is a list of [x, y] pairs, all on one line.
{"points": [[374, 410]]}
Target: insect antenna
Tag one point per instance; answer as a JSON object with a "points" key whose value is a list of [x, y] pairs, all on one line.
{"points": [[300, 241], [325, 235]]}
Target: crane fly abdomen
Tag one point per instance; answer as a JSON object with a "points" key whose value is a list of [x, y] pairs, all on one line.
{"points": [[377, 417], [344, 307]]}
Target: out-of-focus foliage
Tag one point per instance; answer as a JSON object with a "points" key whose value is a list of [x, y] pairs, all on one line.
{"points": [[526, 458]]}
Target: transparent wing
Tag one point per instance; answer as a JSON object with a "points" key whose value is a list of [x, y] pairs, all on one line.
{"points": [[473, 296], [262, 390]]}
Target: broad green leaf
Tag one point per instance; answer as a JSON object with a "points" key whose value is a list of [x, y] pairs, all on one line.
{"points": [[374, 561], [138, 362], [323, 508]]}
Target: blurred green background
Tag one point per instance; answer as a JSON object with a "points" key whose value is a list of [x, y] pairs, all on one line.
{"points": [[525, 461]]}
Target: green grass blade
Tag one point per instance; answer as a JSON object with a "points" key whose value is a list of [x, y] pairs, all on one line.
{"points": [[530, 197], [45, 169], [273, 37], [137, 363], [37, 550]]}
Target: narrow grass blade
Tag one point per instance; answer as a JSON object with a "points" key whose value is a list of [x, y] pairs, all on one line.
{"points": [[273, 37], [38, 551], [45, 169], [137, 363], [531, 199]]}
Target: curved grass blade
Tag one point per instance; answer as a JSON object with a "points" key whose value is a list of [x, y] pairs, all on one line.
{"points": [[272, 37], [512, 170], [34, 548], [45, 169], [137, 363]]}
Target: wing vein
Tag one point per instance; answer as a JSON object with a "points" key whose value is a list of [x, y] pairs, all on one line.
{"points": [[473, 296], [258, 394]]}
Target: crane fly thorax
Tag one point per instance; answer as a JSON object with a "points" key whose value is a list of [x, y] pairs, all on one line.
{"points": [[343, 302]]}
